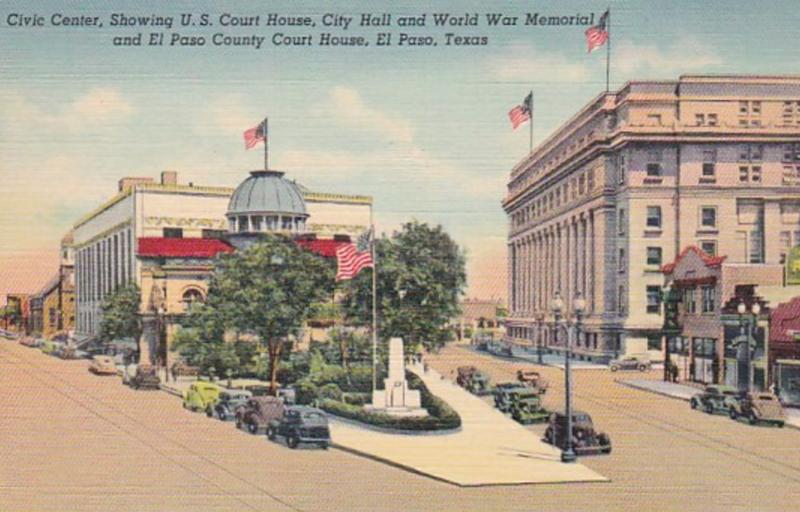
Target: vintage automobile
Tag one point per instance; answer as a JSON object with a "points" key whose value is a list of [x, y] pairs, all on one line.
{"points": [[300, 424], [533, 379], [229, 400], [49, 347], [503, 394], [631, 362], [526, 407], [65, 351], [585, 439], [201, 396], [257, 412], [712, 399], [473, 380], [182, 369], [756, 407], [103, 365], [145, 378], [30, 341], [258, 389]]}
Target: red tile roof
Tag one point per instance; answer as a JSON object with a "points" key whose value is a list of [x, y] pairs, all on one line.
{"points": [[324, 247], [156, 247], [710, 261], [785, 321]]}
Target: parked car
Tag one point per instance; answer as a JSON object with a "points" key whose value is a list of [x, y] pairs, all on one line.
{"points": [[301, 424], [473, 380], [65, 351], [229, 400], [30, 341], [585, 439], [201, 396], [48, 347], [145, 378], [257, 412], [258, 389], [103, 365], [526, 407], [533, 379], [757, 407], [712, 399], [631, 362], [503, 394]]}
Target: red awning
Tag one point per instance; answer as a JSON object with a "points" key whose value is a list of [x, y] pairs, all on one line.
{"points": [[325, 247], [156, 247]]}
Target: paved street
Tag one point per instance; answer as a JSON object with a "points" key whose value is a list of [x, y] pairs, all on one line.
{"points": [[73, 441]]}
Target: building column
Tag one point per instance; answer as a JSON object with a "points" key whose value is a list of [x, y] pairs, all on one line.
{"points": [[601, 260]]}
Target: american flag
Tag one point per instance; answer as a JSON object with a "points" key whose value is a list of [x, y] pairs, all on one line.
{"points": [[597, 35], [521, 113], [255, 135], [352, 257]]}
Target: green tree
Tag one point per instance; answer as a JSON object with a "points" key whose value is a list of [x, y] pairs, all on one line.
{"points": [[421, 276], [267, 291], [121, 318]]}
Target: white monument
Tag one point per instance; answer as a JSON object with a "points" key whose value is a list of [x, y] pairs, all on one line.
{"points": [[395, 398]]}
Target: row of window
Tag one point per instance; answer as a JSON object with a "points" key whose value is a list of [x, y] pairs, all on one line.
{"points": [[653, 218], [570, 189], [708, 299]]}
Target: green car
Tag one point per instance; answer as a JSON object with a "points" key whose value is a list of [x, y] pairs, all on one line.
{"points": [[201, 396], [504, 394], [526, 408]]}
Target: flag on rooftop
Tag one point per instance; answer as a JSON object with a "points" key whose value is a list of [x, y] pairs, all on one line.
{"points": [[521, 113], [597, 35], [352, 257], [255, 135]]}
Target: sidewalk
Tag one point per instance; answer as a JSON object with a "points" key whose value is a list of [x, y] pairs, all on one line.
{"points": [[530, 356], [683, 392], [489, 449]]}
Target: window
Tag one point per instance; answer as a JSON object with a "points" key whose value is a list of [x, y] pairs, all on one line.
{"points": [[755, 174], [709, 247], [621, 300], [654, 119], [190, 298], [654, 256], [653, 342], [709, 298], [243, 224], [713, 120], [708, 217], [621, 222], [653, 170], [173, 232], [621, 261], [750, 174], [756, 252], [256, 222], [709, 163], [621, 171], [654, 217], [699, 119], [688, 300], [653, 299], [744, 174], [743, 108]]}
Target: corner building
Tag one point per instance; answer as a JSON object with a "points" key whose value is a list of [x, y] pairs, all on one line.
{"points": [[632, 179]]}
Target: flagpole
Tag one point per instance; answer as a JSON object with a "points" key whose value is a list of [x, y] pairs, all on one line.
{"points": [[374, 305], [531, 114], [266, 143], [608, 48]]}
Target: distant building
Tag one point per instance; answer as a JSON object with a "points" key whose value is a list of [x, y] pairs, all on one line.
{"points": [[632, 179], [163, 236], [479, 314]]}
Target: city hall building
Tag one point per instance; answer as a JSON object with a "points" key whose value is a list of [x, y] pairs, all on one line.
{"points": [[164, 235], [634, 178]]}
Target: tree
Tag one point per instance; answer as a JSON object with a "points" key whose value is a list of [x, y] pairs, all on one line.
{"points": [[421, 277], [121, 318], [267, 291]]}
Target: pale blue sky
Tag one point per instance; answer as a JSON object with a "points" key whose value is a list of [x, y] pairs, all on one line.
{"points": [[424, 131]]}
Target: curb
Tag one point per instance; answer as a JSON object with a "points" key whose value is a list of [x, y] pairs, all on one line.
{"points": [[667, 395]]}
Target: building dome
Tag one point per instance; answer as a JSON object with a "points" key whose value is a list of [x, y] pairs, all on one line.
{"points": [[267, 202]]}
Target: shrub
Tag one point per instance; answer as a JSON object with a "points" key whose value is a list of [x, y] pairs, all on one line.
{"points": [[357, 398], [330, 391], [305, 392], [383, 420]]}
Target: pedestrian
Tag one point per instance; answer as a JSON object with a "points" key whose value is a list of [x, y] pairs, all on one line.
{"points": [[425, 367]]}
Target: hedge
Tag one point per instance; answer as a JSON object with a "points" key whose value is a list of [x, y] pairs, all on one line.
{"points": [[441, 416]]}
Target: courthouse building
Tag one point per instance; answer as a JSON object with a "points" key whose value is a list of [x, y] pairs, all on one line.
{"points": [[634, 178], [163, 235]]}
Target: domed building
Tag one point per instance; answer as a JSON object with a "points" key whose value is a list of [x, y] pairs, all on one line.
{"points": [[266, 202]]}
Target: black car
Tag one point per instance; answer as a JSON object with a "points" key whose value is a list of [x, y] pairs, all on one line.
{"points": [[714, 399], [585, 439], [301, 424], [225, 408], [145, 378]]}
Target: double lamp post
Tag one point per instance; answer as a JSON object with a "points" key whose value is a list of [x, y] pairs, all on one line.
{"points": [[747, 326]]}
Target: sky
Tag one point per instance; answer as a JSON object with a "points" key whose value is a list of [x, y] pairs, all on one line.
{"points": [[423, 130]]}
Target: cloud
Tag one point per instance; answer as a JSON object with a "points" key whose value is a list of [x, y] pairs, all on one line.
{"points": [[349, 109], [648, 61], [526, 62], [99, 104]]}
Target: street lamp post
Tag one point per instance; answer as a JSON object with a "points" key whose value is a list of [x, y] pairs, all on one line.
{"points": [[568, 455], [162, 312], [750, 325], [540, 340]]}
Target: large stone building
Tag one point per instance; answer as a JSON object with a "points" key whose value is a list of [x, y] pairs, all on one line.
{"points": [[166, 233], [632, 179]]}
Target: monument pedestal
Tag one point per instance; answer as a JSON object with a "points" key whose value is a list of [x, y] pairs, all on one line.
{"points": [[396, 399]]}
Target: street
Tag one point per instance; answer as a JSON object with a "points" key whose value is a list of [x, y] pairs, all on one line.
{"points": [[74, 441]]}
